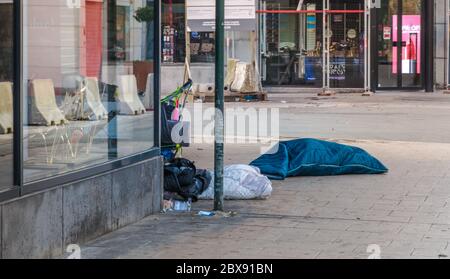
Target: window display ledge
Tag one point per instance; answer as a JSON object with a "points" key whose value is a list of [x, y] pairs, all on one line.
{"points": [[89, 172], [9, 193]]}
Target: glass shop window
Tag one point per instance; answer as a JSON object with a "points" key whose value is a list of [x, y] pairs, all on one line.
{"points": [[6, 94], [347, 44], [202, 47], [173, 23], [89, 97]]}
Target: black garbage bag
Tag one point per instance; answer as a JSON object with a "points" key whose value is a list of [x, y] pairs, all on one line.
{"points": [[205, 177], [182, 177], [202, 181]]}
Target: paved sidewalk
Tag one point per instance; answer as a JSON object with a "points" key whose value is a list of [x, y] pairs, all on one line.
{"points": [[406, 212]]}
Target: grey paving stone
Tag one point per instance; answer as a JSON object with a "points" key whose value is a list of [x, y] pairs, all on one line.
{"points": [[404, 211]]}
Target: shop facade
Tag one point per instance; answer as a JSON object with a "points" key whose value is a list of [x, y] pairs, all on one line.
{"points": [[314, 44], [188, 36], [79, 121], [348, 45]]}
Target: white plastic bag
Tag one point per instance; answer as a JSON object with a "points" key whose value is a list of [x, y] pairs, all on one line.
{"points": [[242, 182]]}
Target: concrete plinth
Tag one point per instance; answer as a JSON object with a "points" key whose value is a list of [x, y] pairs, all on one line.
{"points": [[44, 224]]}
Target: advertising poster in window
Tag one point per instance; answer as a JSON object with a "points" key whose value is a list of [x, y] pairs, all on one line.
{"points": [[410, 42]]}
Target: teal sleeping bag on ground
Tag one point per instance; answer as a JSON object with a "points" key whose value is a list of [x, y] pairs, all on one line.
{"points": [[311, 157]]}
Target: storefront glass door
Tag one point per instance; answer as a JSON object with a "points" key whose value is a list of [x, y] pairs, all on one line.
{"points": [[400, 44], [346, 44], [293, 43]]}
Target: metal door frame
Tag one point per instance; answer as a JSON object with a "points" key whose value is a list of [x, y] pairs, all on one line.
{"points": [[325, 43], [423, 50]]}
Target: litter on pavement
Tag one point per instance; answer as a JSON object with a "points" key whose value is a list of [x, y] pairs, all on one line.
{"points": [[206, 214]]}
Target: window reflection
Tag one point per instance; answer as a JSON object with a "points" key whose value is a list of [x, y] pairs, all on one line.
{"points": [[6, 94], [173, 31], [90, 84]]}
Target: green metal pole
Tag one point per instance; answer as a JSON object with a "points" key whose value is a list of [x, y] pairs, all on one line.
{"points": [[219, 104]]}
